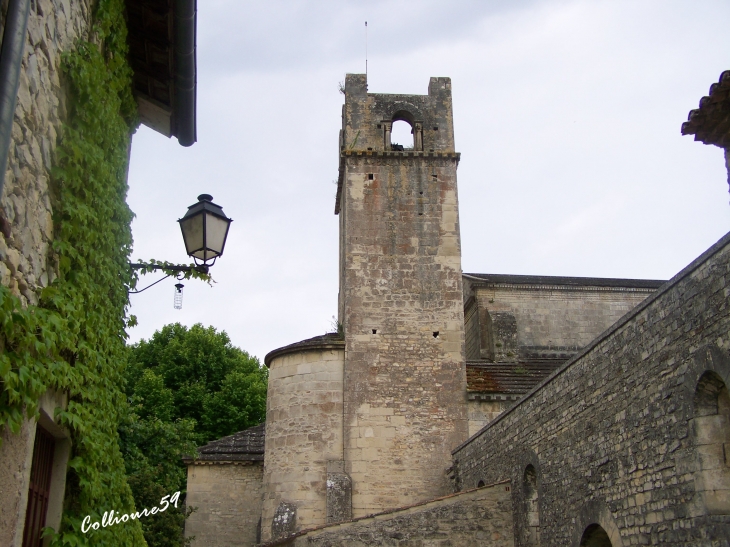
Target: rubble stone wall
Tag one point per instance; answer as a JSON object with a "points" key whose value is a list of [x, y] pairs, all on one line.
{"points": [[610, 436], [26, 261]]}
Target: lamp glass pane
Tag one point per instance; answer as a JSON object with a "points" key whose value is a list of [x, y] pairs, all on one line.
{"points": [[216, 230], [192, 229]]}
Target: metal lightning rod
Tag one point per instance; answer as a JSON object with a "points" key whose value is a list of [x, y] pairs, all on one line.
{"points": [[366, 51]]}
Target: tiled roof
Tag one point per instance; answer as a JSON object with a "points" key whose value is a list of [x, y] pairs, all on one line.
{"points": [[710, 123], [561, 280], [331, 340], [507, 378], [246, 445]]}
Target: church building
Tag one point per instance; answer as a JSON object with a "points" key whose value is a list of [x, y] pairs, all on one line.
{"points": [[363, 420]]}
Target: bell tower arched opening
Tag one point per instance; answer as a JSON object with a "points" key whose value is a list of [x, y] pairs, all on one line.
{"points": [[401, 136], [402, 132]]}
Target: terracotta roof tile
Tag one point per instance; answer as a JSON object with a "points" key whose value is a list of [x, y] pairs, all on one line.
{"points": [[507, 378]]}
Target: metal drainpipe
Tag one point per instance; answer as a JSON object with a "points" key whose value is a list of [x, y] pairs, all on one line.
{"points": [[11, 55], [185, 77]]}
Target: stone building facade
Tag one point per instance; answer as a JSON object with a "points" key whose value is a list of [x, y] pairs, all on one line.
{"points": [[27, 263], [401, 303], [47, 29]]}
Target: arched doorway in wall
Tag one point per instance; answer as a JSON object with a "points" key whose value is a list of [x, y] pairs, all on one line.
{"points": [[532, 510], [711, 432], [595, 536]]}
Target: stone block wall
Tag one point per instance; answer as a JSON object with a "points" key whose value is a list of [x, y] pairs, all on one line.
{"points": [[517, 320], [303, 433], [483, 412], [400, 298], [479, 517], [610, 435], [227, 502]]}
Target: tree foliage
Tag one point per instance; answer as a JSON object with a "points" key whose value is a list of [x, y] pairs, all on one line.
{"points": [[197, 374], [185, 387], [152, 449]]}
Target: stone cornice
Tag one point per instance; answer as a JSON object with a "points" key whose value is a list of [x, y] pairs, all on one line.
{"points": [[191, 461], [529, 287], [331, 341], [400, 154]]}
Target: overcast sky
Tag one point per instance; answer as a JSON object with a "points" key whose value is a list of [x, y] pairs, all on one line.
{"points": [[567, 115]]}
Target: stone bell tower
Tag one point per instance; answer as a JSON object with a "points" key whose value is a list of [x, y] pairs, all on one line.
{"points": [[400, 300]]}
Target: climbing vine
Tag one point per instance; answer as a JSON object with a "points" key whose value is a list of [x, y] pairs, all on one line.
{"points": [[74, 340]]}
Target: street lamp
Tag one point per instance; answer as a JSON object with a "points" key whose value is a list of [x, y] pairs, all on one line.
{"points": [[205, 229]]}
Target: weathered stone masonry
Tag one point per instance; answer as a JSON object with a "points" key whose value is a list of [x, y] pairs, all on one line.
{"points": [[478, 517], [400, 297], [224, 489], [303, 432], [615, 436], [26, 262]]}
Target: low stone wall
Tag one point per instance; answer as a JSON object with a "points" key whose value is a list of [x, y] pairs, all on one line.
{"points": [[609, 438], [227, 502], [478, 517]]}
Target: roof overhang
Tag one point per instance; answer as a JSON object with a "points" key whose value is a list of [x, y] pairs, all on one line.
{"points": [[710, 123], [161, 37]]}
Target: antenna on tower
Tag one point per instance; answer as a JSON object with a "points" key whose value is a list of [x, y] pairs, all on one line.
{"points": [[366, 51]]}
